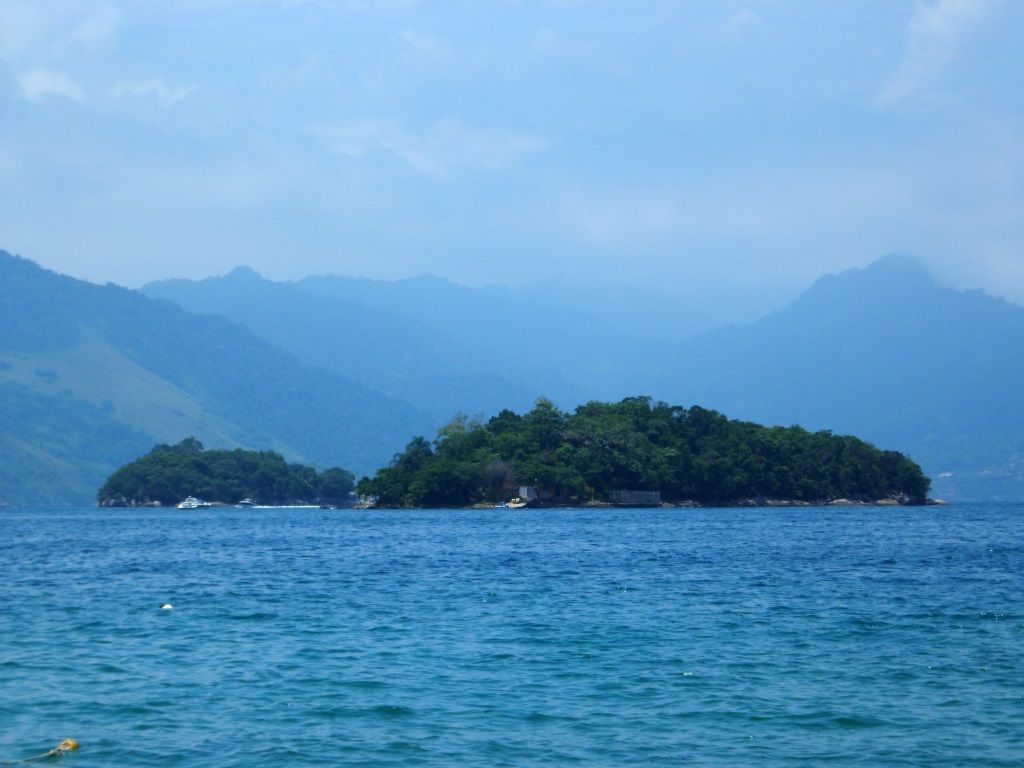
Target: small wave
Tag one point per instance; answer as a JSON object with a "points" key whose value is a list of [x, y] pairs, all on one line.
{"points": [[857, 721], [543, 717], [406, 746], [392, 710], [366, 685]]}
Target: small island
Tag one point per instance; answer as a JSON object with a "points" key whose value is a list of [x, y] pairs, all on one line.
{"points": [[169, 473], [639, 453]]}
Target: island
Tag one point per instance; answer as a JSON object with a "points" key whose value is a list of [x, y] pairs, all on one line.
{"points": [[169, 473], [638, 453]]}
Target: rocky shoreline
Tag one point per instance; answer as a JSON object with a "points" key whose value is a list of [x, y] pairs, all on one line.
{"points": [[687, 504], [824, 503], [737, 503]]}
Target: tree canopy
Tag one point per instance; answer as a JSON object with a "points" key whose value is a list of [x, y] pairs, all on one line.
{"points": [[169, 473], [688, 454]]}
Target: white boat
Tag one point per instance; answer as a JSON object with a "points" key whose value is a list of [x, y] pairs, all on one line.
{"points": [[246, 503], [191, 502]]}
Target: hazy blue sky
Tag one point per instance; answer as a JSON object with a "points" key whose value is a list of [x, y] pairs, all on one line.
{"points": [[737, 147]]}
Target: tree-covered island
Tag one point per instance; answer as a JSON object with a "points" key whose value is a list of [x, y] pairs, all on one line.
{"points": [[600, 451], [169, 473]]}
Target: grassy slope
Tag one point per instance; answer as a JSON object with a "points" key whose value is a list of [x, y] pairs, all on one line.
{"points": [[58, 448], [86, 364]]}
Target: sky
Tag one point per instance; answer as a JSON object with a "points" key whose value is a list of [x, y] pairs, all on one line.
{"points": [[730, 150]]}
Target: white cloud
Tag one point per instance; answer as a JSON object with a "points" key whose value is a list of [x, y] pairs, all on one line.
{"points": [[937, 33], [425, 45], [42, 82], [93, 29], [441, 150], [165, 94], [30, 29]]}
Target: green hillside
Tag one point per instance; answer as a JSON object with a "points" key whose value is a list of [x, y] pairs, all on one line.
{"points": [[169, 473], [401, 356], [636, 445], [56, 447], [882, 352], [886, 353], [95, 374]]}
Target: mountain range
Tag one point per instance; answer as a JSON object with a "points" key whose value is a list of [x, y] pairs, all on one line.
{"points": [[340, 370], [92, 376], [885, 353], [442, 347]]}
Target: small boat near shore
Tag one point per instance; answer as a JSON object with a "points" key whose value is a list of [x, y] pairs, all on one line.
{"points": [[191, 502]]}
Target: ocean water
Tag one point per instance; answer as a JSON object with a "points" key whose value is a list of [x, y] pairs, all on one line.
{"points": [[765, 637]]}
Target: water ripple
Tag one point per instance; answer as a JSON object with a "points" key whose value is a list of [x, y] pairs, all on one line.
{"points": [[782, 637]]}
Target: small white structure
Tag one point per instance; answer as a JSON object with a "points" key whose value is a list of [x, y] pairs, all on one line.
{"points": [[528, 492]]}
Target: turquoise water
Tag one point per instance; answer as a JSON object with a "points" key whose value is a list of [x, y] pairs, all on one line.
{"points": [[781, 637]]}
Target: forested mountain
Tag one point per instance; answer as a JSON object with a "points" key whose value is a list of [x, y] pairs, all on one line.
{"points": [[94, 375], [445, 347], [406, 357], [882, 352], [886, 353], [635, 445], [552, 344], [169, 473]]}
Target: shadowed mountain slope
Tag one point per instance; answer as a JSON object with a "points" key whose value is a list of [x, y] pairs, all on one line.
{"points": [[94, 375], [404, 357], [885, 353], [444, 347], [882, 352], [549, 344]]}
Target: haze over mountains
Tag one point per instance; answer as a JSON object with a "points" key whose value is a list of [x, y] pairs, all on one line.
{"points": [[339, 370], [886, 354], [93, 376], [443, 347], [882, 352], [391, 352]]}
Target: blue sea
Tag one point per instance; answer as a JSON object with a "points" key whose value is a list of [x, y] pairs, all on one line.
{"points": [[761, 637]]}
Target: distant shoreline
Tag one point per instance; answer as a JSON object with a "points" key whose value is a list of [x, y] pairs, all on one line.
{"points": [[736, 504], [689, 504], [773, 504]]}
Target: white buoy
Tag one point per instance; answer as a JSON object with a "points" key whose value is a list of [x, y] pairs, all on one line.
{"points": [[166, 606]]}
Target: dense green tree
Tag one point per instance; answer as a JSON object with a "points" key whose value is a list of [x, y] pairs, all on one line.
{"points": [[168, 473], [636, 444], [335, 485]]}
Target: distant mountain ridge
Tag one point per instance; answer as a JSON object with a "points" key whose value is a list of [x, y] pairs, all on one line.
{"points": [[444, 347], [885, 353], [882, 352], [404, 357], [95, 375], [327, 366], [566, 353]]}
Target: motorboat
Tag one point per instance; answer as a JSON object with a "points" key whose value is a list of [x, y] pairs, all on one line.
{"points": [[191, 502]]}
